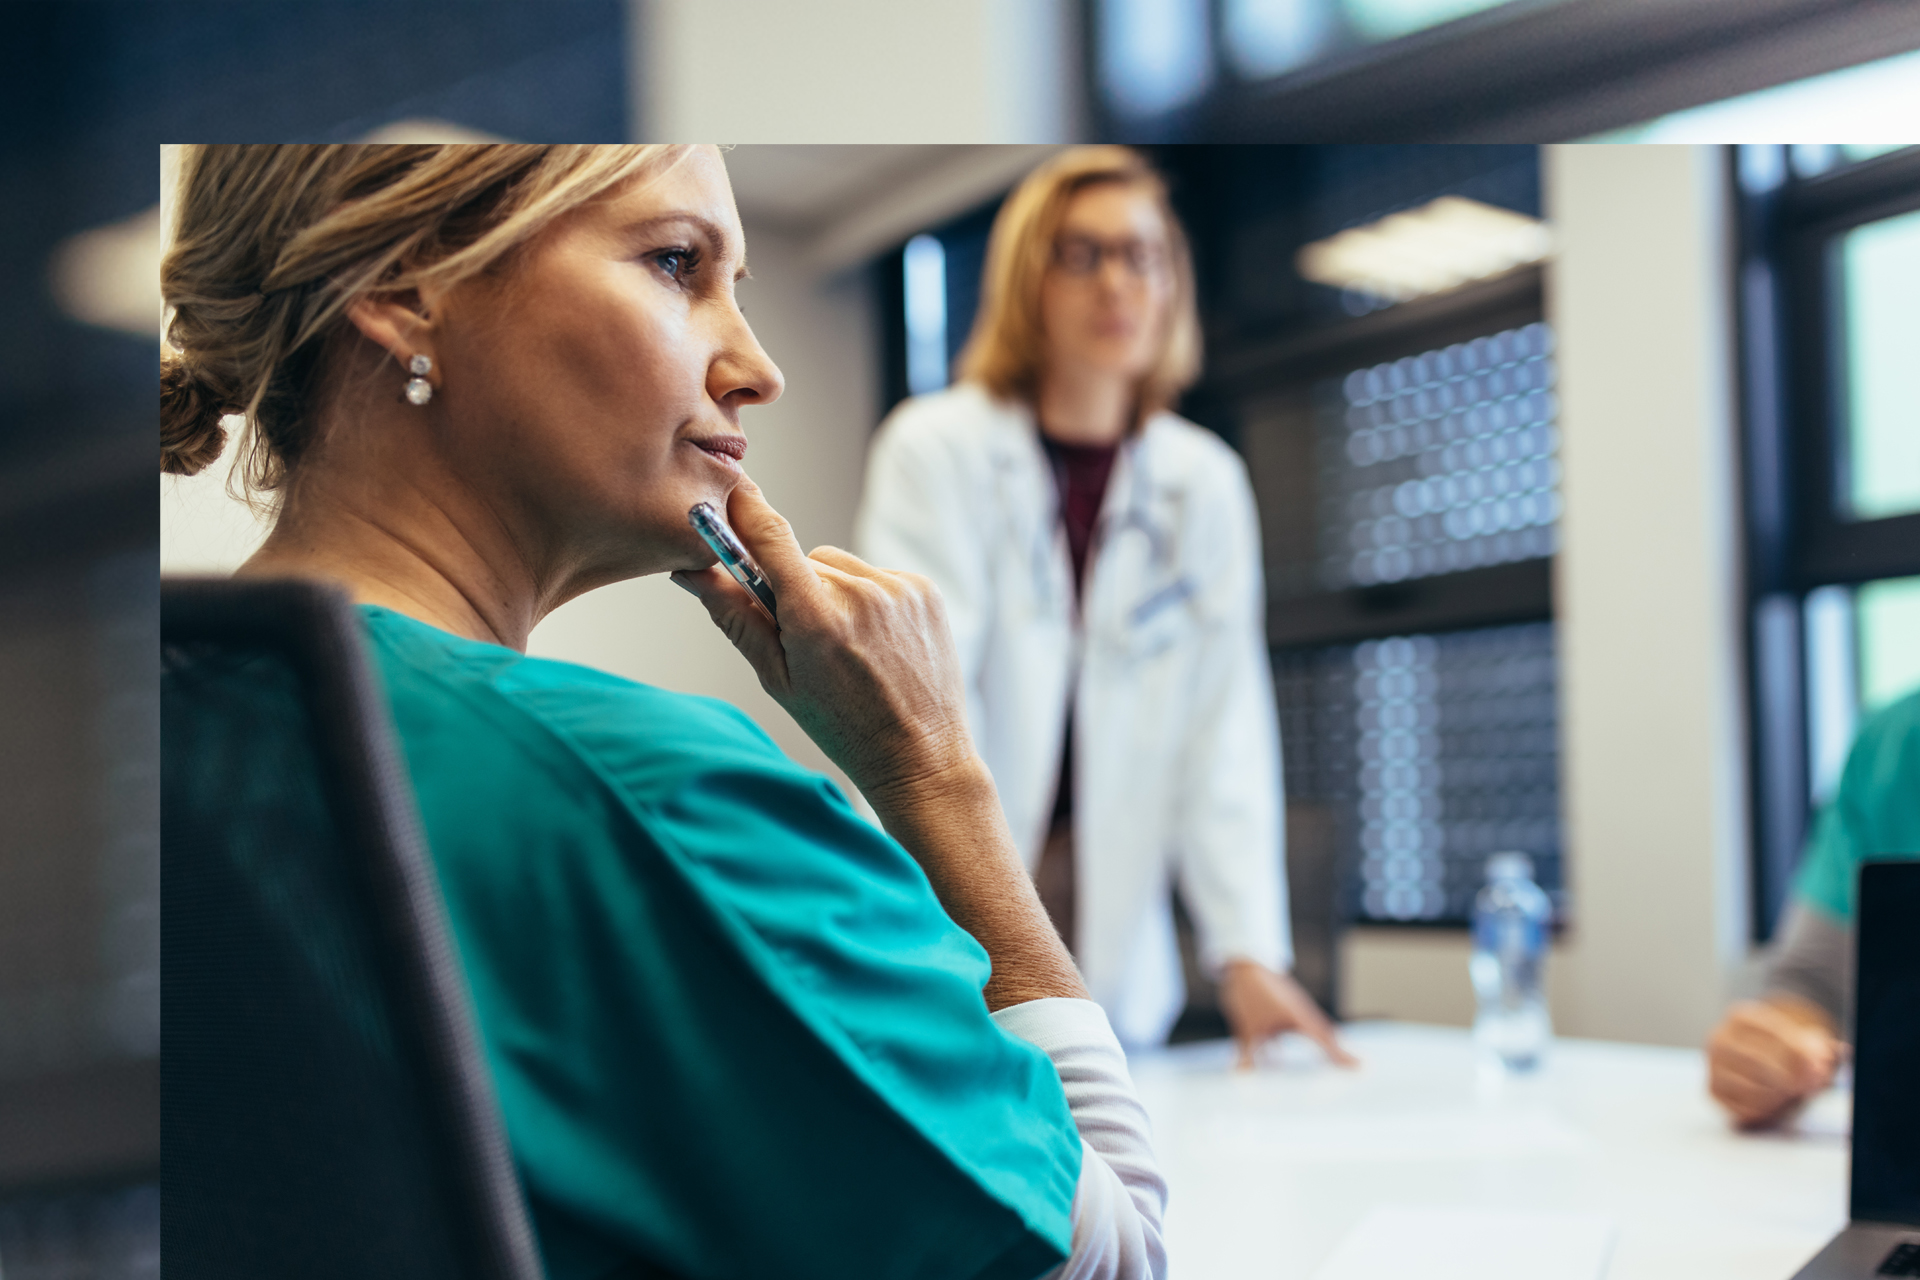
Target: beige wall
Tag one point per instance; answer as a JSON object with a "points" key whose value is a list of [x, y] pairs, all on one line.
{"points": [[1420, 975], [856, 71], [1646, 591]]}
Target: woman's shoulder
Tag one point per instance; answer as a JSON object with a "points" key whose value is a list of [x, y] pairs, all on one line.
{"points": [[1883, 771], [1179, 449], [521, 696], [964, 416]]}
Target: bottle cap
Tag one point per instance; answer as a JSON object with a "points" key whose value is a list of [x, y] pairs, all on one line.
{"points": [[1509, 866]]}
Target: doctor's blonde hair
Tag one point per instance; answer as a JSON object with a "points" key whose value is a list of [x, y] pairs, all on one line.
{"points": [[273, 242], [1006, 352]]}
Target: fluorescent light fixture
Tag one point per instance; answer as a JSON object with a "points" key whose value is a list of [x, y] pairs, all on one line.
{"points": [[429, 131], [110, 276], [1439, 246]]}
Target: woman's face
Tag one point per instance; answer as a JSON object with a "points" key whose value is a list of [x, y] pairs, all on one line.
{"points": [[590, 393], [1105, 299]]}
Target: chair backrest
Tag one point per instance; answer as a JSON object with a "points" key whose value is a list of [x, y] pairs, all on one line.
{"points": [[326, 1108]]}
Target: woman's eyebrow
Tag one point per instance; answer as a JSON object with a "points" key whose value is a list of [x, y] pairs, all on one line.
{"points": [[717, 236]]}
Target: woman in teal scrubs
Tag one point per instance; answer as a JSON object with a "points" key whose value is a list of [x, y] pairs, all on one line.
{"points": [[735, 1030]]}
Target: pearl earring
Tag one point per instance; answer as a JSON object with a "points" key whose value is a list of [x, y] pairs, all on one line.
{"points": [[419, 390]]}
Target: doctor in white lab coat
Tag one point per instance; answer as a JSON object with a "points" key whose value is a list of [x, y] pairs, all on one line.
{"points": [[1100, 561]]}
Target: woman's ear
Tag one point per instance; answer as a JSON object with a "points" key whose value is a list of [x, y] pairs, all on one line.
{"points": [[402, 322]]}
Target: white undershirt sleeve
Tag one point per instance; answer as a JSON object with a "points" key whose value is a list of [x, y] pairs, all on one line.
{"points": [[1121, 1197]]}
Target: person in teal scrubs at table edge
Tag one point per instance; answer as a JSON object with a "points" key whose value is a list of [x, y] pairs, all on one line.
{"points": [[734, 1028], [1770, 1055]]}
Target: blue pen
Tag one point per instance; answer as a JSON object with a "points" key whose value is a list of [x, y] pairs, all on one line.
{"points": [[712, 527]]}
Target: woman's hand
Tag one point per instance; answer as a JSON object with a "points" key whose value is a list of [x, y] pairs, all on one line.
{"points": [[1259, 1004], [863, 660], [862, 657], [1769, 1056]]}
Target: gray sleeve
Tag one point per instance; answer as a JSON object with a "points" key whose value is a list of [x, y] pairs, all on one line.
{"points": [[1812, 958]]}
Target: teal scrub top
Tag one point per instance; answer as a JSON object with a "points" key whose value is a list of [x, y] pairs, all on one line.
{"points": [[1875, 813], [732, 1030]]}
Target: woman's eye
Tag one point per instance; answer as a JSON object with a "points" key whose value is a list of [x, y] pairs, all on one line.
{"points": [[677, 263]]}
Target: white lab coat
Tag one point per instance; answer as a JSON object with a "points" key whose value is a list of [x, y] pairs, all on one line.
{"points": [[1176, 743]]}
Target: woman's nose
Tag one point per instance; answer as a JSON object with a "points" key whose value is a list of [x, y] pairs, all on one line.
{"points": [[1116, 274], [744, 373]]}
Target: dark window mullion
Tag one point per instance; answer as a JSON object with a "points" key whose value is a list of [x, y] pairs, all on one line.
{"points": [[1519, 591], [1863, 192], [1828, 546], [1850, 552], [1775, 674]]}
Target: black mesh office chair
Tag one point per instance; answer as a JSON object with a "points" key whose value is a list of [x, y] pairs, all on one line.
{"points": [[326, 1110]]}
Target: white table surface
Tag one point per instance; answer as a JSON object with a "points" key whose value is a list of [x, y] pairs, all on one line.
{"points": [[1270, 1168]]}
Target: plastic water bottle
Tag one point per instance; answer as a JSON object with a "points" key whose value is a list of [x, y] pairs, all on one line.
{"points": [[1509, 959]]}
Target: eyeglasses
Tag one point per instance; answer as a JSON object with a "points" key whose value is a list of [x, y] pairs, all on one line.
{"points": [[1082, 255]]}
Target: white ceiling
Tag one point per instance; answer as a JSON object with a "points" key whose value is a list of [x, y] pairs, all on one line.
{"points": [[801, 188], [850, 202]]}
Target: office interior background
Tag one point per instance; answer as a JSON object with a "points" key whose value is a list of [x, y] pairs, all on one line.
{"points": [[1622, 517]]}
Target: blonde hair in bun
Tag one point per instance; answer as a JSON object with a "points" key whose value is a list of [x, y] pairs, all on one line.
{"points": [[272, 242]]}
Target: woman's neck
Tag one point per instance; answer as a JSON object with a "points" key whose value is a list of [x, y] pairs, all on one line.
{"points": [[397, 533], [1084, 407]]}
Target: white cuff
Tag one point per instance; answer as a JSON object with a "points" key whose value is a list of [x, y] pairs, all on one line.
{"points": [[1121, 1197]]}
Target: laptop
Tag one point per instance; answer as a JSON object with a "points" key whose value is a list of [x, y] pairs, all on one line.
{"points": [[1882, 1238]]}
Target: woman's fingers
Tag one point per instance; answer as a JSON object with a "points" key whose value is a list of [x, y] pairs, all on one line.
{"points": [[1752, 1102], [845, 561], [1761, 1061], [1781, 1049], [861, 657], [1310, 1022], [1261, 1003], [741, 620], [1315, 1026], [1244, 1060], [769, 540]]}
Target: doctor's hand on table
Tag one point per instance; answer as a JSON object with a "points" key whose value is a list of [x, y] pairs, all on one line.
{"points": [[1259, 1004], [1769, 1056]]}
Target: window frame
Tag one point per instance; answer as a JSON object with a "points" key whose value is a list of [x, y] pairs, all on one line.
{"points": [[1792, 354], [1242, 369], [1520, 591]]}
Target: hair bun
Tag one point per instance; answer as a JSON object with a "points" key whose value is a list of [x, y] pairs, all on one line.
{"points": [[191, 436]]}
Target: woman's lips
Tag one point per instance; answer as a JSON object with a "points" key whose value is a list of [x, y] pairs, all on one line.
{"points": [[726, 450]]}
